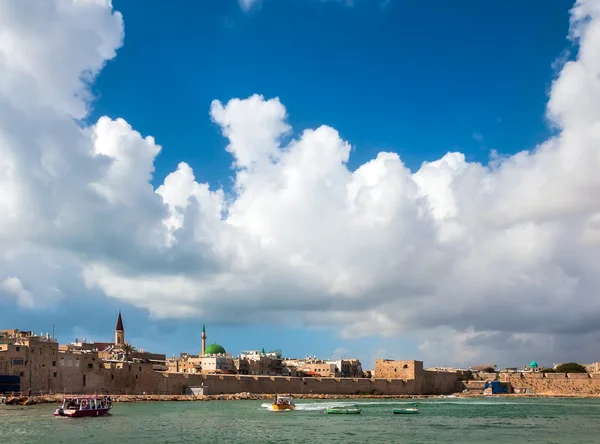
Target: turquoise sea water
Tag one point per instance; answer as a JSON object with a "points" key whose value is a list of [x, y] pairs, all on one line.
{"points": [[446, 420]]}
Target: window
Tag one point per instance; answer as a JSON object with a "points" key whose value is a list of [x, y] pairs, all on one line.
{"points": [[55, 374], [40, 351], [18, 348], [53, 363], [22, 374], [16, 361], [84, 380], [90, 365], [140, 368], [136, 376], [405, 366], [112, 377], [129, 368]]}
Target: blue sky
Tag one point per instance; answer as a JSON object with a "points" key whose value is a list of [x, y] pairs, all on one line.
{"points": [[412, 77], [417, 78]]}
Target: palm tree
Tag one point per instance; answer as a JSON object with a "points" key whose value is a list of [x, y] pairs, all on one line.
{"points": [[127, 349]]}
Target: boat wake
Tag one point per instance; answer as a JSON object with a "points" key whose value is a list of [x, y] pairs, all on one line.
{"points": [[316, 406]]}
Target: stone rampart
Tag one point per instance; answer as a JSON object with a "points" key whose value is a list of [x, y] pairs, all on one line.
{"points": [[92, 377], [578, 375], [228, 384], [555, 376]]}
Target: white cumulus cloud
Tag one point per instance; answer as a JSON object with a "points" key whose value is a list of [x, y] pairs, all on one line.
{"points": [[470, 260]]}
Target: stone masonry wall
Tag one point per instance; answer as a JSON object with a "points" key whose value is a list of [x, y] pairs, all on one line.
{"points": [[386, 368], [555, 383]]}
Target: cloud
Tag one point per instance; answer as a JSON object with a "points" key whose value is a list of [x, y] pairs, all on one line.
{"points": [[478, 137], [14, 286], [339, 353], [247, 4], [475, 261]]}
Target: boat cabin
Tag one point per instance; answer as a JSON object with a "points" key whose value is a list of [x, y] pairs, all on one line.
{"points": [[283, 400]]}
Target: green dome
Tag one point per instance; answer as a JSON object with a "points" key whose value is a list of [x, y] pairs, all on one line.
{"points": [[214, 349], [533, 364]]}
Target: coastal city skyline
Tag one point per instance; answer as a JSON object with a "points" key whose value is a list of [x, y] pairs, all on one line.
{"points": [[340, 353], [376, 179]]}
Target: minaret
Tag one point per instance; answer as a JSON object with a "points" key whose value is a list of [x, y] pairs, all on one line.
{"points": [[119, 331], [203, 338]]}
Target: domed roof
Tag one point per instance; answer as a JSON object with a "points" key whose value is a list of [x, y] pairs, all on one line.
{"points": [[533, 364], [214, 349]]}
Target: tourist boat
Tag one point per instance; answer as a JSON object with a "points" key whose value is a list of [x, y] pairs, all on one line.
{"points": [[406, 411], [353, 410], [83, 406], [281, 403]]}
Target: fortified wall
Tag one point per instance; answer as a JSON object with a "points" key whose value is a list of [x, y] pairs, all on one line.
{"points": [[85, 373], [553, 383]]}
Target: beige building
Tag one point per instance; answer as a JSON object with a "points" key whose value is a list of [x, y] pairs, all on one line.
{"points": [[261, 362], [43, 366], [348, 368], [392, 369], [325, 369]]}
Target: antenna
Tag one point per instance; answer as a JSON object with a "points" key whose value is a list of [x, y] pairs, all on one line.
{"points": [[53, 330]]}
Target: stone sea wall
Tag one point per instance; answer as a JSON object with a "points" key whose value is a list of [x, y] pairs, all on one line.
{"points": [[554, 383], [140, 379]]}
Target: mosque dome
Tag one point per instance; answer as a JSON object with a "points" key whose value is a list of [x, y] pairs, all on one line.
{"points": [[214, 349], [533, 364]]}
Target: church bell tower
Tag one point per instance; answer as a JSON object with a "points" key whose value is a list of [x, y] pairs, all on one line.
{"points": [[119, 331]]}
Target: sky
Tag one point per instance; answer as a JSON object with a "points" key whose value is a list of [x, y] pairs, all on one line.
{"points": [[369, 178]]}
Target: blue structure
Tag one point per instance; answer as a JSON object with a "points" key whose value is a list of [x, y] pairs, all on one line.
{"points": [[497, 387], [10, 383]]}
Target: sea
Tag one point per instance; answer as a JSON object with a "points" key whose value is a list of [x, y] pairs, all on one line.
{"points": [[440, 420]]}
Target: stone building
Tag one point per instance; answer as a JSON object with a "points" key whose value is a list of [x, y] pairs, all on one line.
{"points": [[320, 368], [348, 368], [44, 366], [425, 381], [392, 369], [261, 362]]}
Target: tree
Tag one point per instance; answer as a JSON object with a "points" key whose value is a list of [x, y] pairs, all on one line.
{"points": [[548, 370], [127, 349], [571, 367]]}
